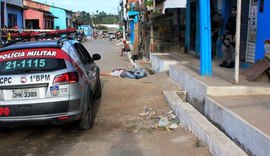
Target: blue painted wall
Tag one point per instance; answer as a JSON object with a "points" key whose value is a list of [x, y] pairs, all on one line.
{"points": [[61, 20], [18, 12], [263, 30], [88, 30], [132, 23]]}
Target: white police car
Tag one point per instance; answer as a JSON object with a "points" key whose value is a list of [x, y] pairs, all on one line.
{"points": [[45, 82]]}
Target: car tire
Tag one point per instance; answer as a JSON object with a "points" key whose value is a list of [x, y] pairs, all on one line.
{"points": [[87, 122], [98, 91], [4, 129]]}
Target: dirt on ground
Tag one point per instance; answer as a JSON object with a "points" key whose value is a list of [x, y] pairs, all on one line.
{"points": [[129, 114], [127, 122], [131, 118]]}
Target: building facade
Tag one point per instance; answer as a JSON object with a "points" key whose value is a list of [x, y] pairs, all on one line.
{"points": [[65, 18], [12, 13], [254, 27], [37, 15]]}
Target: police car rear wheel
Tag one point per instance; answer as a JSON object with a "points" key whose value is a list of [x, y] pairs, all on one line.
{"points": [[4, 129], [88, 121], [98, 92]]}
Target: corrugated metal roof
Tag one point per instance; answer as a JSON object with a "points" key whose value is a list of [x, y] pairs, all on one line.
{"points": [[15, 2]]}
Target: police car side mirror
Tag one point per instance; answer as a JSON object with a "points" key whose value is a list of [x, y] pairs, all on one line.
{"points": [[96, 57]]}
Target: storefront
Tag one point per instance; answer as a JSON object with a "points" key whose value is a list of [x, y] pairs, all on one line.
{"points": [[255, 30], [168, 25], [223, 7]]}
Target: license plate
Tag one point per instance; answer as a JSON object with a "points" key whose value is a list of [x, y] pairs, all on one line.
{"points": [[24, 94]]}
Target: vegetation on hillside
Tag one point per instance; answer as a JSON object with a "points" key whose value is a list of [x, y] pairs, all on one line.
{"points": [[98, 18]]}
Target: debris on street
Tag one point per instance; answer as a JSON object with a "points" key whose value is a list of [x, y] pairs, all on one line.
{"points": [[149, 120], [163, 122]]}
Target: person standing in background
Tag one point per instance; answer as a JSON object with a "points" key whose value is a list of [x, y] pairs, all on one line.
{"points": [[228, 46], [216, 22]]}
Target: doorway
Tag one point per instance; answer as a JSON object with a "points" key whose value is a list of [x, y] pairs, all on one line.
{"points": [[193, 24]]}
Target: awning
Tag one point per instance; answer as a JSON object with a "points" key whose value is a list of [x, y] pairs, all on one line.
{"points": [[49, 14], [174, 4]]}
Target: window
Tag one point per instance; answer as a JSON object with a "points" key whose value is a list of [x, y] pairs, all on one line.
{"points": [[83, 54], [46, 24], [52, 24], [12, 20]]}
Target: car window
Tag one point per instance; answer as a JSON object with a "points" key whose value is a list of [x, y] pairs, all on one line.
{"points": [[86, 53], [78, 51], [30, 61], [83, 53]]}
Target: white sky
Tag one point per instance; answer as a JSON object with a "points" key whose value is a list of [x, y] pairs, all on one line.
{"points": [[108, 6]]}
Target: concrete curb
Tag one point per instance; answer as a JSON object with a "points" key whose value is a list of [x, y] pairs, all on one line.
{"points": [[218, 143], [252, 139], [141, 66]]}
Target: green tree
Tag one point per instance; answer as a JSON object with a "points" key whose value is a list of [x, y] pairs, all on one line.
{"points": [[85, 18], [104, 18]]}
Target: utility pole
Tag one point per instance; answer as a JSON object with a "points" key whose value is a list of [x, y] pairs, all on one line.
{"points": [[124, 18], [237, 40]]}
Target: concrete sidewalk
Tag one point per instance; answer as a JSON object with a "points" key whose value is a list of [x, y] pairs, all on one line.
{"points": [[241, 112]]}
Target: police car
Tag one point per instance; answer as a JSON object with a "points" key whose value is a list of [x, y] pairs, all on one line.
{"points": [[48, 82]]}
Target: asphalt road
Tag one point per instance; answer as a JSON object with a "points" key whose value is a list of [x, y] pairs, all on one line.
{"points": [[121, 126]]}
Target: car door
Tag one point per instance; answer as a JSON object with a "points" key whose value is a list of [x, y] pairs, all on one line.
{"points": [[88, 63]]}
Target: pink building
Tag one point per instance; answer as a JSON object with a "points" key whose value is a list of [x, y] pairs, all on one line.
{"points": [[37, 15]]}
